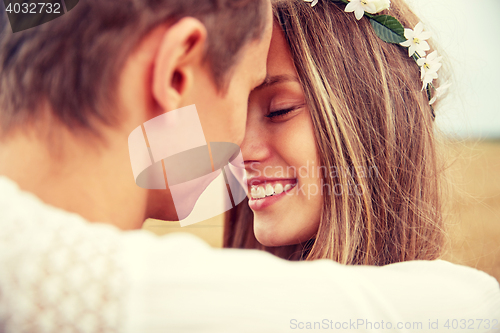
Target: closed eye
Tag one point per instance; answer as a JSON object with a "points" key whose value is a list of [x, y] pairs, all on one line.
{"points": [[278, 114]]}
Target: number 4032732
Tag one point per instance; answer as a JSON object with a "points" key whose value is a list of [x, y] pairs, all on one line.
{"points": [[34, 8], [472, 324]]}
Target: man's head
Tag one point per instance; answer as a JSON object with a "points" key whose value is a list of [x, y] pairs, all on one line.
{"points": [[106, 67], [73, 62]]}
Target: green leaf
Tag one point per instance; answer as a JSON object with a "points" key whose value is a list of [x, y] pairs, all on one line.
{"points": [[388, 29]]}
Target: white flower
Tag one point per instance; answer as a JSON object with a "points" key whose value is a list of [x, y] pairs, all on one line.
{"points": [[313, 2], [440, 91], [359, 7], [429, 67], [381, 5], [416, 40]]}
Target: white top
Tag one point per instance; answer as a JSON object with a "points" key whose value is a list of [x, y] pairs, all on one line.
{"points": [[59, 273]]}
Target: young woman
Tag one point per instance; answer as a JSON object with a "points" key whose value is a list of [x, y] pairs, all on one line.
{"points": [[340, 150]]}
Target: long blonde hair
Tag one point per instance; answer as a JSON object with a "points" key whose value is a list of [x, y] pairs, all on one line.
{"points": [[369, 113]]}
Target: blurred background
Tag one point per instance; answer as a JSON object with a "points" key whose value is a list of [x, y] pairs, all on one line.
{"points": [[467, 34]]}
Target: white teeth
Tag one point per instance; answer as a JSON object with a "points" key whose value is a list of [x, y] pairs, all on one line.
{"points": [[269, 190], [259, 192]]}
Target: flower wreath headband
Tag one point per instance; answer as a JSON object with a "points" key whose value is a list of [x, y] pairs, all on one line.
{"points": [[390, 30]]}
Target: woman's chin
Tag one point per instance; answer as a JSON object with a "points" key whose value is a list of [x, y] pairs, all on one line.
{"points": [[269, 235], [268, 241], [272, 234]]}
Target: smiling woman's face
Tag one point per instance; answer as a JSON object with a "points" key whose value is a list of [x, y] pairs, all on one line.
{"points": [[280, 155]]}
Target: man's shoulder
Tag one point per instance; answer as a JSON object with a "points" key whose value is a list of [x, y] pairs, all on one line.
{"points": [[39, 230], [49, 257], [25, 219]]}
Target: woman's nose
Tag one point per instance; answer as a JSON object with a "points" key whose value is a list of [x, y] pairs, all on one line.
{"points": [[255, 147]]}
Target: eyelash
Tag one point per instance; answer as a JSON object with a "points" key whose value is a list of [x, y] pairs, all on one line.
{"points": [[282, 113]]}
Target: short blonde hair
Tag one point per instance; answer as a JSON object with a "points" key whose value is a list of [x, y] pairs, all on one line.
{"points": [[73, 62]]}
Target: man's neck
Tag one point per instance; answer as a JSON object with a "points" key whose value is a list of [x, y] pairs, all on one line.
{"points": [[76, 176]]}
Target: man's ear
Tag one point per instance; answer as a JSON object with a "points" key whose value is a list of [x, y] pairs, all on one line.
{"points": [[181, 50]]}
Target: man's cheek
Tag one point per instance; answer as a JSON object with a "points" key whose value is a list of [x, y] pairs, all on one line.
{"points": [[238, 128]]}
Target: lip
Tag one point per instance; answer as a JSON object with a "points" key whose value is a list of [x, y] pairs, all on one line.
{"points": [[260, 204], [263, 180]]}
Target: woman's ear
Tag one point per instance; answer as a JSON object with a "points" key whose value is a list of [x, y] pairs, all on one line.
{"points": [[181, 50]]}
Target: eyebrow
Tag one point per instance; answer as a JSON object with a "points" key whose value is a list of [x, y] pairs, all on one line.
{"points": [[276, 79]]}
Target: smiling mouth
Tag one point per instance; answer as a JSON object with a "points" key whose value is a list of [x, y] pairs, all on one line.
{"points": [[262, 191]]}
